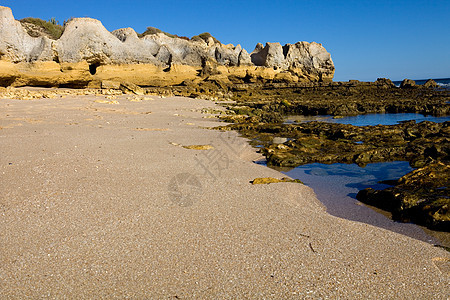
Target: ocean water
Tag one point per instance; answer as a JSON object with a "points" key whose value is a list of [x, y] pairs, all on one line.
{"points": [[442, 82], [336, 185]]}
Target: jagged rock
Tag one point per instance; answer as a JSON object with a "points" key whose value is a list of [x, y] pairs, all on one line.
{"points": [[420, 196], [193, 53], [256, 58], [181, 51], [108, 84], [227, 55], [384, 82], [310, 60], [244, 58], [407, 83], [15, 43], [270, 56], [209, 67], [87, 40], [164, 55], [130, 88], [430, 83], [307, 60], [126, 34]]}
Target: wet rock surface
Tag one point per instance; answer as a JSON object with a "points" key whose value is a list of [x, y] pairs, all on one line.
{"points": [[343, 98], [420, 196]]}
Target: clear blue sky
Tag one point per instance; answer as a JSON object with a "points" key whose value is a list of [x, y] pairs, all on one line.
{"points": [[366, 39]]}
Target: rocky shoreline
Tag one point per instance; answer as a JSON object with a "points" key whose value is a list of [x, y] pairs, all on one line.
{"points": [[421, 196], [258, 110], [97, 202], [112, 191]]}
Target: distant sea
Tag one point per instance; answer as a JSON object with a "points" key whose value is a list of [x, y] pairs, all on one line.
{"points": [[442, 82]]}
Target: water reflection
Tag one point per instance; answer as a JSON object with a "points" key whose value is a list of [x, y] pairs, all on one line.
{"points": [[369, 119], [369, 176], [336, 186]]}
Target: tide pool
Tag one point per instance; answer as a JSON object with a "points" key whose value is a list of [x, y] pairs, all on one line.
{"points": [[369, 119]]}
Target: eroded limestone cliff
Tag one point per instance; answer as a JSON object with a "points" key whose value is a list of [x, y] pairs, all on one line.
{"points": [[87, 54]]}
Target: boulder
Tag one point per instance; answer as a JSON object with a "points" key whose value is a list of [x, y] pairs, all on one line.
{"points": [[109, 84], [407, 83], [227, 55], [270, 56], [131, 88], [384, 82], [430, 83], [244, 58], [311, 59]]}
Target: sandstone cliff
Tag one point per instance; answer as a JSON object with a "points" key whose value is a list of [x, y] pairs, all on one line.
{"points": [[87, 54]]}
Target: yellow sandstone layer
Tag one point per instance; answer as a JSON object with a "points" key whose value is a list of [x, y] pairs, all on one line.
{"points": [[53, 74]]}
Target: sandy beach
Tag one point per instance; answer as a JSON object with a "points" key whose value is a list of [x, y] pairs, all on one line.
{"points": [[103, 198]]}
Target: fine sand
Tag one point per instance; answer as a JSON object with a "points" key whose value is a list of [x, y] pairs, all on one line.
{"points": [[102, 200]]}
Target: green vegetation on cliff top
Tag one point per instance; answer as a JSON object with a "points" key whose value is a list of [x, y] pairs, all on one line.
{"points": [[51, 27], [54, 30], [202, 36]]}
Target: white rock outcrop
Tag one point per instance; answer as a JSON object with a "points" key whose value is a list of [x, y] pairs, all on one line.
{"points": [[309, 58], [15, 43], [86, 39]]}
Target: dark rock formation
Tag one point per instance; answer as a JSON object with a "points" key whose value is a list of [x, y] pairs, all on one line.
{"points": [[430, 83], [407, 83], [421, 196]]}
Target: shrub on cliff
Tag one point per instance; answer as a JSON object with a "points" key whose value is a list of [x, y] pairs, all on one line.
{"points": [[154, 30], [40, 27], [205, 36]]}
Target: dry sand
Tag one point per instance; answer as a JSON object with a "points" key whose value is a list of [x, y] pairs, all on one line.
{"points": [[101, 200]]}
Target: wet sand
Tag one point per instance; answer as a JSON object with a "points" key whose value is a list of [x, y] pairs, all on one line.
{"points": [[102, 200]]}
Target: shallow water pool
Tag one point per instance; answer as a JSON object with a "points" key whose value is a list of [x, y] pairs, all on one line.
{"points": [[336, 186], [369, 119]]}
